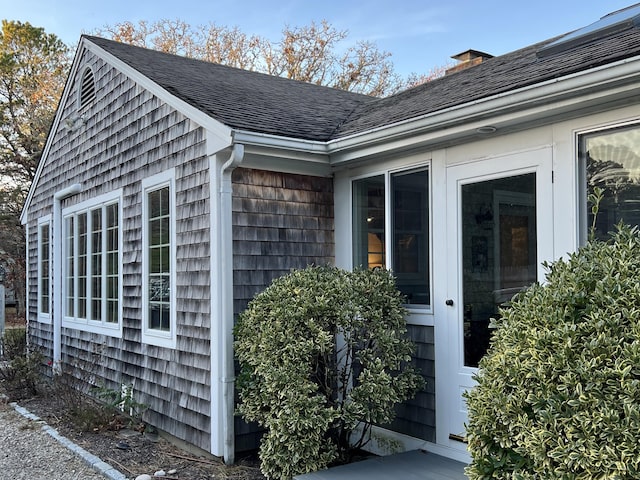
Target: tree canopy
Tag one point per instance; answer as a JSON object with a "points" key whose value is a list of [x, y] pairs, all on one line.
{"points": [[317, 53], [33, 69]]}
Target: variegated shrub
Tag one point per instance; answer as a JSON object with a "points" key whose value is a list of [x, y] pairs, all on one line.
{"points": [[558, 394]]}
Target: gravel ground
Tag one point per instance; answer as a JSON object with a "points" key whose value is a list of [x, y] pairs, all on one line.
{"points": [[27, 452]]}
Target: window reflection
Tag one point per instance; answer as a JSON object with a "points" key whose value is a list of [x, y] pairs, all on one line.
{"points": [[611, 161], [407, 220], [499, 253], [159, 265]]}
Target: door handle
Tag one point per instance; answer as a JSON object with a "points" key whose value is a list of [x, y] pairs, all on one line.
{"points": [[448, 302]]}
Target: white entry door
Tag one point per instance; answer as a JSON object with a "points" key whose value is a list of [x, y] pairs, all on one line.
{"points": [[499, 230]]}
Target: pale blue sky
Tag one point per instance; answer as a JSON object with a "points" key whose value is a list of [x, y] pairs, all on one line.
{"points": [[420, 34]]}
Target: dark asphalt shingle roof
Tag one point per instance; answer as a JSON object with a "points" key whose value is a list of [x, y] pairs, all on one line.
{"points": [[242, 99], [267, 104], [497, 75]]}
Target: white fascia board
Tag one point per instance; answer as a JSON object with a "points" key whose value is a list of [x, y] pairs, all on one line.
{"points": [[54, 128], [198, 116], [577, 90], [286, 154], [297, 145]]}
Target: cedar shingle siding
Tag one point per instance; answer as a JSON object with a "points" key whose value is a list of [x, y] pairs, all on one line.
{"points": [[129, 134], [280, 222], [417, 416]]}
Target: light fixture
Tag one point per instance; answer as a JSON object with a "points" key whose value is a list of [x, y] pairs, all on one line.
{"points": [[72, 124], [486, 129]]}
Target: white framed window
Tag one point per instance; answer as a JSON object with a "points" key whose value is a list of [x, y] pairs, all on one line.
{"points": [[609, 159], [92, 277], [44, 269], [391, 229], [158, 260]]}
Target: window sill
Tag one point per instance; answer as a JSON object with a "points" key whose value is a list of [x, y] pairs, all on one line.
{"points": [[111, 330], [159, 339]]}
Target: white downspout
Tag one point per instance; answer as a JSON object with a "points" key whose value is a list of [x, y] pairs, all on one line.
{"points": [[225, 278], [57, 272]]}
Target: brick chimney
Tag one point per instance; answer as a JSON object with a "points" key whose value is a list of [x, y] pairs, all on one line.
{"points": [[467, 59]]}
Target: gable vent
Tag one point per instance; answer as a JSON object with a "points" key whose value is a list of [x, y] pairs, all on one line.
{"points": [[87, 89]]}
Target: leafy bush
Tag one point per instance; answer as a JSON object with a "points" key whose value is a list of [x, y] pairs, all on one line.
{"points": [[320, 351], [92, 407], [14, 343], [123, 401], [73, 398], [21, 376], [558, 394]]}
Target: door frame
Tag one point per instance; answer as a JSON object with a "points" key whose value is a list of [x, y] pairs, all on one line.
{"points": [[449, 349]]}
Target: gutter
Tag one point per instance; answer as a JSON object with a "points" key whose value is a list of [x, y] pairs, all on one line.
{"points": [[57, 272], [285, 143], [589, 82], [226, 264], [222, 322], [597, 83]]}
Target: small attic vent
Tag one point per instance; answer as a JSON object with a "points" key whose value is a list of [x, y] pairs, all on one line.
{"points": [[87, 89], [610, 24]]}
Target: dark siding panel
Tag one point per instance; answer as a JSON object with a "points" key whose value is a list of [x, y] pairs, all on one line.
{"points": [[417, 417]]}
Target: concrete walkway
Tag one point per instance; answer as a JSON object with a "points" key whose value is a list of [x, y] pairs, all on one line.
{"points": [[413, 465]]}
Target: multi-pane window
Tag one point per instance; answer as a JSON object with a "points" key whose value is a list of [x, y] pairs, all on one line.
{"points": [[159, 266], [70, 264], [44, 282], [96, 264], [81, 271], [158, 260], [92, 265], [610, 160], [112, 261], [391, 229]]}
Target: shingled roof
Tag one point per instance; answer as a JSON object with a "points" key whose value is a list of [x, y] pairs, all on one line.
{"points": [[242, 99], [494, 76], [267, 104]]}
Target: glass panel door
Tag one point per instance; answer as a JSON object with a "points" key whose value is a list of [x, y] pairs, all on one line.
{"points": [[499, 258], [499, 215]]}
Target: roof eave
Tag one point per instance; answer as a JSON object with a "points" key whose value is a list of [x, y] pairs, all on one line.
{"points": [[274, 152], [575, 91]]}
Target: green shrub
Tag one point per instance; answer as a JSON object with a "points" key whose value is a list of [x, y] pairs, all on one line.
{"points": [[558, 394], [14, 343], [320, 351], [21, 377]]}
